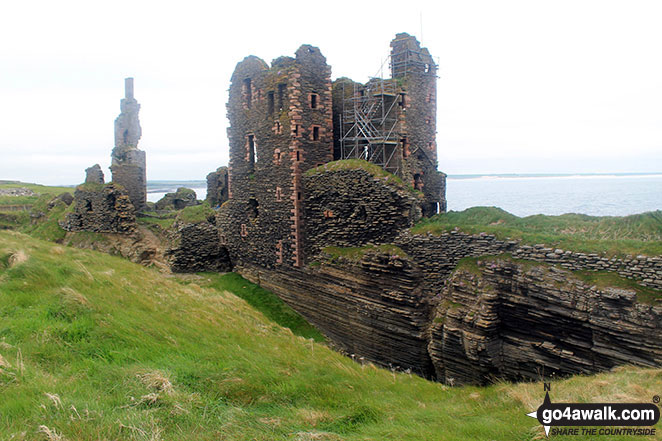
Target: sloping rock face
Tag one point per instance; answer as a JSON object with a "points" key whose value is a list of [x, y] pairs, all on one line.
{"points": [[101, 209], [505, 319], [372, 309], [196, 247]]}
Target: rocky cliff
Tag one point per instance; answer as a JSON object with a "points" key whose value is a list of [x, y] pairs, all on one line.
{"points": [[500, 318], [372, 308], [495, 318]]}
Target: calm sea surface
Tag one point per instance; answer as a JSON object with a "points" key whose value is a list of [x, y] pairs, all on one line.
{"points": [[597, 195]]}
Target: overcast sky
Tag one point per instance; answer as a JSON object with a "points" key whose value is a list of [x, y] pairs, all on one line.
{"points": [[524, 86]]}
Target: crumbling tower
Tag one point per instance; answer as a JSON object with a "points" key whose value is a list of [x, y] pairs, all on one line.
{"points": [[280, 126], [128, 162], [392, 122]]}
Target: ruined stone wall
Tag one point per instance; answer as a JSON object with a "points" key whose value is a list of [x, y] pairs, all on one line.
{"points": [[519, 321], [280, 126], [128, 164], [128, 169], [417, 71], [94, 175], [354, 208], [438, 256], [196, 247], [217, 186], [406, 113], [102, 209]]}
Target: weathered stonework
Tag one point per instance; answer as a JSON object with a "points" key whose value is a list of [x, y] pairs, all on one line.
{"points": [[517, 321], [102, 209], [353, 208], [196, 247], [275, 135], [128, 162], [94, 175], [397, 116], [217, 187]]}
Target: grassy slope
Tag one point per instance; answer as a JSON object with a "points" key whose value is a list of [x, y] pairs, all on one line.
{"points": [[36, 188], [128, 353], [636, 234]]}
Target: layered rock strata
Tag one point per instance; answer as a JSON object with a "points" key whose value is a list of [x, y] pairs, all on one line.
{"points": [[518, 320]]}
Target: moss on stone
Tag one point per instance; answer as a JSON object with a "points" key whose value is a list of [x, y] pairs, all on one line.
{"points": [[355, 254], [359, 164]]}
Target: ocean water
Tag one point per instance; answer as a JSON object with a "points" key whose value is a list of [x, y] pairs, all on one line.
{"points": [[596, 195], [525, 195]]}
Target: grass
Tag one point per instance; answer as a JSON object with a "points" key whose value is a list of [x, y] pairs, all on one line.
{"points": [[161, 223], [357, 253], [95, 347], [359, 164], [612, 236], [196, 213], [264, 301], [39, 190]]}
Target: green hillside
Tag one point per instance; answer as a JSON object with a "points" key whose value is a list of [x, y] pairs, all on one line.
{"points": [[93, 347]]}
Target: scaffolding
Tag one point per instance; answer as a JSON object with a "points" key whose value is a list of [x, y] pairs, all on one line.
{"points": [[368, 123]]}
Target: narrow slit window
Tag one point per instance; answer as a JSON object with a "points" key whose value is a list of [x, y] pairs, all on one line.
{"points": [[296, 130], [313, 100], [270, 103], [316, 133], [252, 149], [298, 156], [248, 92], [282, 91]]}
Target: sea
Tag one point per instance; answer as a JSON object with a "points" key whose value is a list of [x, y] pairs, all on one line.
{"points": [[619, 194]]}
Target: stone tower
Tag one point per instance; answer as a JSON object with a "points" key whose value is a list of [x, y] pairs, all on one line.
{"points": [[280, 127], [392, 121], [128, 162], [416, 71]]}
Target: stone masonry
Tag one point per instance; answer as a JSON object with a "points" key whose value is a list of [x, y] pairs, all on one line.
{"points": [[217, 186], [128, 162], [94, 175], [102, 209]]}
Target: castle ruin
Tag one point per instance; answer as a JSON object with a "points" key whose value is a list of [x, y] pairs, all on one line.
{"points": [[289, 118], [128, 162]]}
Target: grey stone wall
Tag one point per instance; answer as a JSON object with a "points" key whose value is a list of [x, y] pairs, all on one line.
{"points": [[438, 256], [217, 187], [102, 209], [196, 247], [353, 208], [94, 175], [276, 134], [128, 164]]}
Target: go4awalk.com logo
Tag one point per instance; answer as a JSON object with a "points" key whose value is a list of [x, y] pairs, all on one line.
{"points": [[619, 419]]}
